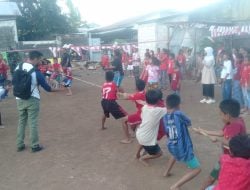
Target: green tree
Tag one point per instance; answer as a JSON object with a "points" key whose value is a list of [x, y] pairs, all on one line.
{"points": [[41, 19]]}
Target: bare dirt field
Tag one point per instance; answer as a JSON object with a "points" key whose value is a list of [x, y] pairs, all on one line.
{"points": [[79, 156]]}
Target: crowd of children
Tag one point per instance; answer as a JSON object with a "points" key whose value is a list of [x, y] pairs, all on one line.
{"points": [[56, 75], [153, 120]]}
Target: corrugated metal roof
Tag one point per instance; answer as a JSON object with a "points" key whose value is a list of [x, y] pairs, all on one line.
{"points": [[9, 9]]}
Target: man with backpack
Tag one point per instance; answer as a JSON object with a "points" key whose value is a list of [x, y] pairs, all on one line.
{"points": [[26, 80]]}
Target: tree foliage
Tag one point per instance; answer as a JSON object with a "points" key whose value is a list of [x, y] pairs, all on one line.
{"points": [[41, 19]]}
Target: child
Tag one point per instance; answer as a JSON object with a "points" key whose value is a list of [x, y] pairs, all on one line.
{"points": [[5, 89], [146, 133], [3, 70], [245, 83], [179, 144], [176, 79], [3, 94], [226, 77], [171, 67], [109, 104], [234, 125], [134, 119], [67, 82], [56, 74], [153, 73], [235, 168]]}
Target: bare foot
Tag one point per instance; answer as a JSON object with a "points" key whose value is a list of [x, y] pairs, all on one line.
{"points": [[2, 127], [126, 141], [103, 128], [167, 174], [68, 94], [144, 162]]}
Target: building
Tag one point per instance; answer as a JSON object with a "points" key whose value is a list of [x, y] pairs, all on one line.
{"points": [[8, 30]]}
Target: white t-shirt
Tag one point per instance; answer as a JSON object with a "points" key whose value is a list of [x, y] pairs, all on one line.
{"points": [[147, 132], [136, 59], [34, 88], [153, 73], [227, 69]]}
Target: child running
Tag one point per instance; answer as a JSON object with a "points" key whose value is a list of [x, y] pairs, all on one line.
{"points": [[134, 119], [147, 132], [234, 125], [235, 168], [179, 143]]}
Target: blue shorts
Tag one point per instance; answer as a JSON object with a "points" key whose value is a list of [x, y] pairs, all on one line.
{"points": [[118, 78], [193, 163], [152, 150], [67, 82]]}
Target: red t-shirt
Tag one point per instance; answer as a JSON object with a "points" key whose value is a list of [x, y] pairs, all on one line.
{"points": [[105, 61], [56, 66], [245, 75], [138, 96], [171, 66], [232, 129], [175, 83], [109, 90], [234, 174], [239, 68], [164, 61], [3, 68], [125, 58], [69, 73]]}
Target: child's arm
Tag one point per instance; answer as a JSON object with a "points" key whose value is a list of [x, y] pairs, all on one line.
{"points": [[212, 133], [123, 95]]}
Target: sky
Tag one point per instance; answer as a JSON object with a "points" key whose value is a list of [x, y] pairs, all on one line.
{"points": [[107, 12]]}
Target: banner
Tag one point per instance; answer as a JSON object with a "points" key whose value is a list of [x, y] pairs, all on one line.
{"points": [[218, 31]]}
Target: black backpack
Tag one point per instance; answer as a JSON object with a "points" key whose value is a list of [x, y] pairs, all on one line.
{"points": [[22, 82]]}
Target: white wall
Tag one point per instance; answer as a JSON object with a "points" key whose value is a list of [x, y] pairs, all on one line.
{"points": [[152, 36], [10, 23]]}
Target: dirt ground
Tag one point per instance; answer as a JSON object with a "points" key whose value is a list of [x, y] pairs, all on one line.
{"points": [[78, 155]]}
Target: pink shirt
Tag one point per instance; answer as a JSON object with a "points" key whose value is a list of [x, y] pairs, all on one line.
{"points": [[153, 73]]}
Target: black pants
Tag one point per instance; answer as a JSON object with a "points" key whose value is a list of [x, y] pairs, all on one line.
{"points": [[208, 90]]}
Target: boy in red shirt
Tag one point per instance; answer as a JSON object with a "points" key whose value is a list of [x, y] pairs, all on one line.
{"points": [[3, 70], [105, 60], [234, 125], [134, 119], [109, 104], [176, 80], [235, 168]]}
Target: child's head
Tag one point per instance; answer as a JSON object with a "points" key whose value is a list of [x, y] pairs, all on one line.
{"points": [[140, 85], [229, 108], [240, 146], [173, 101], [55, 60], [155, 61], [172, 56], [109, 76], [160, 94], [152, 97]]}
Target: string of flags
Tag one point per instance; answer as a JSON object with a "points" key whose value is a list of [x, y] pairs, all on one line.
{"points": [[218, 31], [78, 49]]}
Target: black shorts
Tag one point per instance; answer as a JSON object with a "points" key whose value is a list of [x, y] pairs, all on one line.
{"points": [[152, 150], [111, 106]]}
